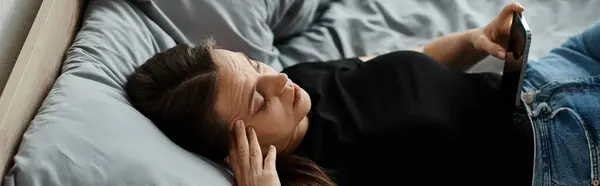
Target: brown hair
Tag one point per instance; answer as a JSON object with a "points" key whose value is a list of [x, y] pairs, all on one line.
{"points": [[177, 89]]}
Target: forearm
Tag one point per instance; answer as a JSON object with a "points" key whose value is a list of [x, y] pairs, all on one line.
{"points": [[455, 51], [462, 50]]}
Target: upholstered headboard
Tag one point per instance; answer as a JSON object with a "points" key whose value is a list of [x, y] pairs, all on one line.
{"points": [[16, 18], [35, 71]]}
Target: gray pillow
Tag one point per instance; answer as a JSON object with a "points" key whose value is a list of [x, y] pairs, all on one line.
{"points": [[86, 131], [249, 26]]}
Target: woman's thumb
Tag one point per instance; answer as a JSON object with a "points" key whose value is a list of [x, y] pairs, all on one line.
{"points": [[269, 163]]}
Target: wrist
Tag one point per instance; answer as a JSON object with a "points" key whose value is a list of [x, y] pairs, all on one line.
{"points": [[470, 37]]}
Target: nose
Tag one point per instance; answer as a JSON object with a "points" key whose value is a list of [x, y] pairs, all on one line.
{"points": [[274, 84]]}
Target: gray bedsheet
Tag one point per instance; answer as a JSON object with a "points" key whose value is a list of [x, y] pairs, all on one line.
{"points": [[285, 32]]}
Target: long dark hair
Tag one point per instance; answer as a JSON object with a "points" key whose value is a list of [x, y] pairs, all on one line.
{"points": [[177, 89]]}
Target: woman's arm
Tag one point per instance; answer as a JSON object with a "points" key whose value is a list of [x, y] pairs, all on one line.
{"points": [[462, 50], [455, 50]]}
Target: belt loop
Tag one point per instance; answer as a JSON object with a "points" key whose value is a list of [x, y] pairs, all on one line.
{"points": [[542, 108]]}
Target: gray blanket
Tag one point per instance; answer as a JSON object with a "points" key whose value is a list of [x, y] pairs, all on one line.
{"points": [[285, 32]]}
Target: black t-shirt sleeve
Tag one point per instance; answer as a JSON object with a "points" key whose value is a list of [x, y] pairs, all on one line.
{"points": [[400, 109]]}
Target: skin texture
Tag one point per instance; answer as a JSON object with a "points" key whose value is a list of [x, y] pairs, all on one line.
{"points": [[263, 99]]}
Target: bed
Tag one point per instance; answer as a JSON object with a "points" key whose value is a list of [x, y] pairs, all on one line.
{"points": [[64, 117]]}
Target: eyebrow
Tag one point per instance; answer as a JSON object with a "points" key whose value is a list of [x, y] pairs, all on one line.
{"points": [[251, 63]]}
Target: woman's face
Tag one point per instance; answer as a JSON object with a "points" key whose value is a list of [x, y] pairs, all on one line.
{"points": [[263, 98]]}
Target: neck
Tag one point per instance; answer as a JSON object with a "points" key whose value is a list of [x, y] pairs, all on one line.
{"points": [[296, 137]]}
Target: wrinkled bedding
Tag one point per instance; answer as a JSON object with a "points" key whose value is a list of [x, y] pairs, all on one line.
{"points": [[285, 32], [67, 144]]}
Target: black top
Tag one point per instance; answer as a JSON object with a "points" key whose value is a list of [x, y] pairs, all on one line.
{"points": [[403, 119]]}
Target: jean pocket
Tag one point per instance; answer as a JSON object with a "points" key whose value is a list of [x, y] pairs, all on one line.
{"points": [[570, 153]]}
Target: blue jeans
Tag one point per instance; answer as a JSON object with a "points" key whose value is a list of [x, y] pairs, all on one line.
{"points": [[562, 96]]}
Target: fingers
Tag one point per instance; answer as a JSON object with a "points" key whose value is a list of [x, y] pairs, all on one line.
{"points": [[509, 9], [490, 47], [256, 162], [270, 159], [233, 158], [504, 20], [243, 149], [245, 156]]}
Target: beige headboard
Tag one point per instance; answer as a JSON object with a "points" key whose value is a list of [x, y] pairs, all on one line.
{"points": [[16, 18], [35, 71]]}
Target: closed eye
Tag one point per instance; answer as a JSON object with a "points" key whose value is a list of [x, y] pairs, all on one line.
{"points": [[257, 67], [262, 105]]}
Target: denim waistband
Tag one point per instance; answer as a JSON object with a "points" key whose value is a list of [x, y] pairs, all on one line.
{"points": [[565, 118], [562, 96]]}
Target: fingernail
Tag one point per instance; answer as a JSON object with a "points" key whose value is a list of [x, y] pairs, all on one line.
{"points": [[501, 54], [239, 123], [271, 147], [519, 4]]}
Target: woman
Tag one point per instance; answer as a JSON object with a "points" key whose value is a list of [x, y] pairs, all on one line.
{"points": [[403, 118]]}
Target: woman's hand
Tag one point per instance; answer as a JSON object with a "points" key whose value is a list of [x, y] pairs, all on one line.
{"points": [[462, 50], [245, 158], [493, 38]]}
